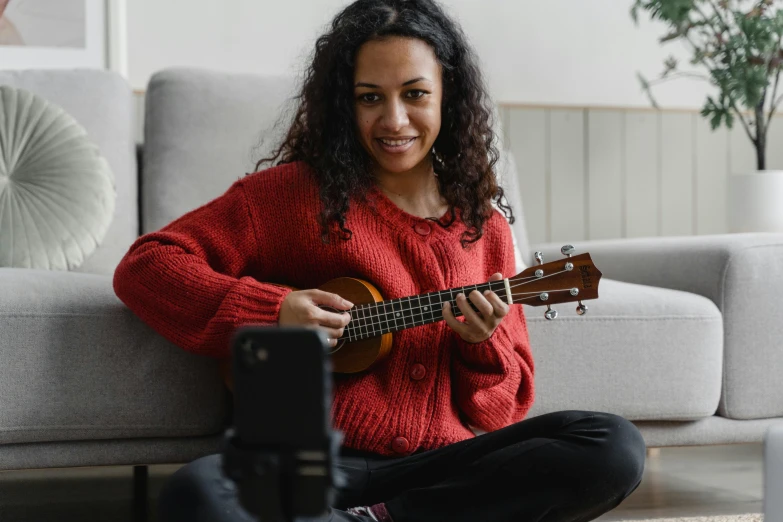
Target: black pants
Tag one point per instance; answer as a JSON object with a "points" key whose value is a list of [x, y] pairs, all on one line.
{"points": [[565, 466]]}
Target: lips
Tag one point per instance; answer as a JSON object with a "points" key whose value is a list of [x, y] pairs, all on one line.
{"points": [[395, 146]]}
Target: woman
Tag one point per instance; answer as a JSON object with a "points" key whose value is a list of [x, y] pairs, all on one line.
{"points": [[387, 174]]}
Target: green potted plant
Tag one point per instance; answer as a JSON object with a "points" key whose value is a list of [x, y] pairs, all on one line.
{"points": [[736, 46]]}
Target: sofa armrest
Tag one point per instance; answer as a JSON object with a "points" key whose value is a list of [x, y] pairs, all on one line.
{"points": [[742, 274], [709, 266]]}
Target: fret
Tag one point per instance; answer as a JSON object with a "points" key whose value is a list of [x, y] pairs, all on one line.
{"points": [[387, 316], [363, 322], [414, 312], [393, 317], [428, 314], [405, 304], [353, 333], [437, 312], [370, 320], [399, 317], [356, 330]]}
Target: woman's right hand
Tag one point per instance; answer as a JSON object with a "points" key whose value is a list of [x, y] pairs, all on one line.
{"points": [[301, 308]]}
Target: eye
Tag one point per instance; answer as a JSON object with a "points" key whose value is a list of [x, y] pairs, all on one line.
{"points": [[369, 97], [416, 94]]}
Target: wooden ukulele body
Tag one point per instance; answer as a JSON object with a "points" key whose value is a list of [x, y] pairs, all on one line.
{"points": [[356, 356], [346, 357]]}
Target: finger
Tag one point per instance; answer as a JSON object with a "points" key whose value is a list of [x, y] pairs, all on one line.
{"points": [[333, 333], [497, 276], [471, 317], [328, 333], [328, 319], [500, 308], [320, 297], [452, 321], [485, 307]]}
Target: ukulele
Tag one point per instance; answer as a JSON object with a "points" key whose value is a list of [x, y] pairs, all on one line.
{"points": [[367, 338]]}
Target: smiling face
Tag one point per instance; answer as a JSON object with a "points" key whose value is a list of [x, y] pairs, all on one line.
{"points": [[398, 92]]}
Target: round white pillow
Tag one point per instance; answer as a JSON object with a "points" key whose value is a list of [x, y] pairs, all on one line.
{"points": [[57, 192]]}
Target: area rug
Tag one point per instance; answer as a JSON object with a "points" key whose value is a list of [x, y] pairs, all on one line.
{"points": [[753, 517]]}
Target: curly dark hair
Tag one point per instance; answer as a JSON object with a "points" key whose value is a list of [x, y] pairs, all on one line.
{"points": [[324, 135]]}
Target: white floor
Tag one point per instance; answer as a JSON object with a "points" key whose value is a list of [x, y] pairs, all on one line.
{"points": [[680, 482]]}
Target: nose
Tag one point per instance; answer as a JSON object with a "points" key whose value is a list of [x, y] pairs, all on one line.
{"points": [[395, 116]]}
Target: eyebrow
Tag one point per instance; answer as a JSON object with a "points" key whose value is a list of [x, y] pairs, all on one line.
{"points": [[409, 82]]}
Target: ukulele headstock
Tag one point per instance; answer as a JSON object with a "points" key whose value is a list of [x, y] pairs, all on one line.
{"points": [[573, 278]]}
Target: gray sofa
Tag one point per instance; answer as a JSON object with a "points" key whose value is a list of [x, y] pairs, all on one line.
{"points": [[683, 341]]}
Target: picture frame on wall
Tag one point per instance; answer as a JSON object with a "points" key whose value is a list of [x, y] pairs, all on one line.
{"points": [[63, 34]]}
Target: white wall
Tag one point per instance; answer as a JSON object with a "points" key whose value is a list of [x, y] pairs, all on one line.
{"points": [[553, 52]]}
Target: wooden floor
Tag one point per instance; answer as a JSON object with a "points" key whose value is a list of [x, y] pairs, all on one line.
{"points": [[680, 482], [690, 482]]}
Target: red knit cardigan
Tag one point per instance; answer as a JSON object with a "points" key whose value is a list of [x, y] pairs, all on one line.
{"points": [[199, 278]]}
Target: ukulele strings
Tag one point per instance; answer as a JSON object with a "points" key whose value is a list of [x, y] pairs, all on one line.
{"points": [[354, 331]]}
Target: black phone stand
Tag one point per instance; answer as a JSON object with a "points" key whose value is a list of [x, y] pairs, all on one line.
{"points": [[270, 480]]}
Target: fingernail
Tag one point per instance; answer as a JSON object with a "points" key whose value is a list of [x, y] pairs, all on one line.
{"points": [[347, 303], [460, 294], [486, 292]]}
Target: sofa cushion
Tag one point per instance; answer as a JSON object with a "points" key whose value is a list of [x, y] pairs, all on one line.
{"points": [[642, 352], [57, 192], [102, 103], [78, 365], [204, 130]]}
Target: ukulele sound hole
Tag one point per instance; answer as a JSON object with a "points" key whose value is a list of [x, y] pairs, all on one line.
{"points": [[341, 341]]}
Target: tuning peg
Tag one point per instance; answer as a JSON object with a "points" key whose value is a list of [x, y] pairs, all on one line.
{"points": [[539, 258], [550, 313], [567, 250], [581, 309]]}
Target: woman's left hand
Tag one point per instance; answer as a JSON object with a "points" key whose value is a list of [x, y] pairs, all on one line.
{"points": [[477, 328]]}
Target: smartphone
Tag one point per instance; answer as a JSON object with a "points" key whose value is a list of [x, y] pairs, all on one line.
{"points": [[282, 403]]}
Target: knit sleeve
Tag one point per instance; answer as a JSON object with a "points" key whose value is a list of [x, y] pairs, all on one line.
{"points": [[493, 379], [189, 281]]}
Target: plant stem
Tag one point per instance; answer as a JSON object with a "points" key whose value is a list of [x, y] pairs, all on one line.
{"points": [[677, 75], [761, 134]]}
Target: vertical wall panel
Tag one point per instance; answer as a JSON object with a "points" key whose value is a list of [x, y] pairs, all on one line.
{"points": [[642, 181], [711, 176], [527, 140], [677, 170], [567, 164], [605, 174]]}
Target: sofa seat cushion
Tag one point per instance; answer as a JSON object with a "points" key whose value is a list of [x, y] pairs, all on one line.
{"points": [[642, 352], [78, 365]]}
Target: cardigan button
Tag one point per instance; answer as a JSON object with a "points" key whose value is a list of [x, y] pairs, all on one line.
{"points": [[422, 228], [401, 445], [418, 371]]}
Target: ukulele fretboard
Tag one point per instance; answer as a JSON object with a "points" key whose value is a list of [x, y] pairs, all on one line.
{"points": [[376, 319]]}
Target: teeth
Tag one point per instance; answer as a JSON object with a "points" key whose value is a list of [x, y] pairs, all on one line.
{"points": [[396, 143]]}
